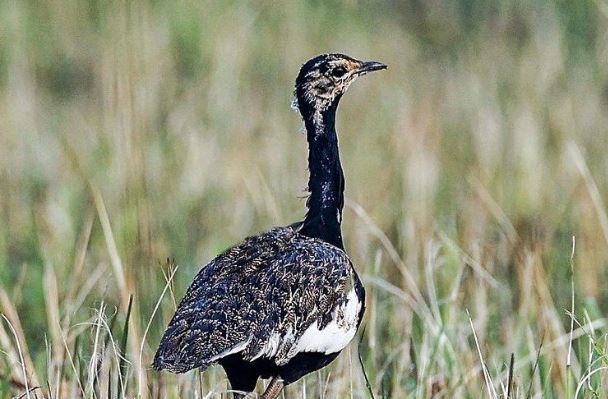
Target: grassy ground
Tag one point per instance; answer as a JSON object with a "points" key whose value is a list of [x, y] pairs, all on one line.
{"points": [[132, 132]]}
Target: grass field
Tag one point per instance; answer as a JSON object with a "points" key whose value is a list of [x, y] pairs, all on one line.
{"points": [[132, 132]]}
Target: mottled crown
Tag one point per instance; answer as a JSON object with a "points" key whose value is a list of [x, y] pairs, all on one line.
{"points": [[323, 79]]}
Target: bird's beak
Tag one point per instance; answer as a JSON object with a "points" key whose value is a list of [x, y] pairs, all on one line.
{"points": [[370, 66]]}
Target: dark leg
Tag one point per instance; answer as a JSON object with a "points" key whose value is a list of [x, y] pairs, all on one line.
{"points": [[274, 388]]}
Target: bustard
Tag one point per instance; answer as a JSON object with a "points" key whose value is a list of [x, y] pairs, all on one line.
{"points": [[283, 303]]}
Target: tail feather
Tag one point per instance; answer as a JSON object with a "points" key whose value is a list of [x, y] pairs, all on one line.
{"points": [[172, 361]]}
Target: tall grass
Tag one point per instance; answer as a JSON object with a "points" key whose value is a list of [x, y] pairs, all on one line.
{"points": [[133, 132]]}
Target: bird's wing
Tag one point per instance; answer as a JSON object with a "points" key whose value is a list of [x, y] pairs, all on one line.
{"points": [[256, 298]]}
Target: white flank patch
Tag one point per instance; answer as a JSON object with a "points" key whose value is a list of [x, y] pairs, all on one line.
{"points": [[235, 349], [270, 348], [337, 334]]}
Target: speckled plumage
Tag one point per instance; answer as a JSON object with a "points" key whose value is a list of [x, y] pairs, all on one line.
{"points": [[278, 282], [286, 302]]}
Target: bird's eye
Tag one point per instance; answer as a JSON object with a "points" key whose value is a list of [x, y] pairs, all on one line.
{"points": [[338, 72]]}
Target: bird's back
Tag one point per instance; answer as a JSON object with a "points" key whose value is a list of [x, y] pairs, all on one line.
{"points": [[267, 297]]}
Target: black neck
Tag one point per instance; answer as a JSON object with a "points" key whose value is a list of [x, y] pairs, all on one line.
{"points": [[326, 183]]}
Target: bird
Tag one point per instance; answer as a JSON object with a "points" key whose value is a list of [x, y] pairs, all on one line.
{"points": [[283, 303]]}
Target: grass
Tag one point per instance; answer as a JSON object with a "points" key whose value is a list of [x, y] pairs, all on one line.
{"points": [[133, 132]]}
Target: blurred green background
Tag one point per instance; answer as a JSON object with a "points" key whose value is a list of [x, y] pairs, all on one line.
{"points": [[132, 132]]}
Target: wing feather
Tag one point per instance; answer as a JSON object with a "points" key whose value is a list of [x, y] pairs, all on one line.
{"points": [[257, 299]]}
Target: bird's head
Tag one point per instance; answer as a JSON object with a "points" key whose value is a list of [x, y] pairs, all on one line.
{"points": [[323, 79]]}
